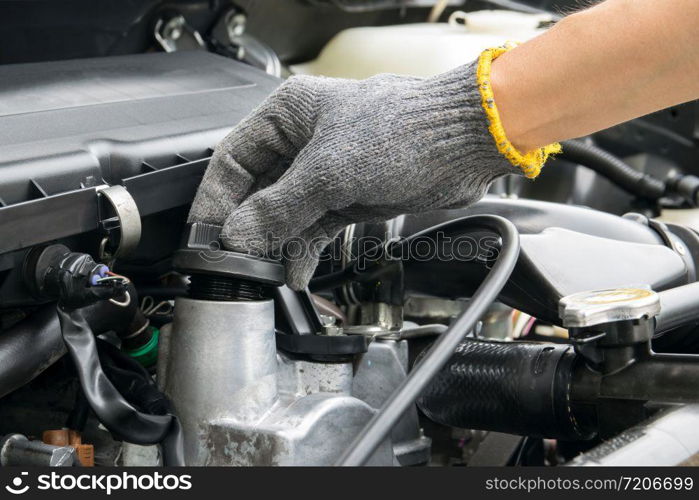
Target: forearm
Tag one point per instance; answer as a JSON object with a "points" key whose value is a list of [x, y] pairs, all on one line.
{"points": [[596, 68]]}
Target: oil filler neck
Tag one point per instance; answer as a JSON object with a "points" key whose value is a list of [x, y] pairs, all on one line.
{"points": [[224, 275]]}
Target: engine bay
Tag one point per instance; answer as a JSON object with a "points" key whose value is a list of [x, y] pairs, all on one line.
{"points": [[550, 323]]}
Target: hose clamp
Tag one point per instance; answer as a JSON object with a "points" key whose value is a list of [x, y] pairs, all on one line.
{"points": [[129, 221]]}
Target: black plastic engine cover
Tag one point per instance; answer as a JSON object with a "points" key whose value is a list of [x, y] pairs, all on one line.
{"points": [[145, 121]]}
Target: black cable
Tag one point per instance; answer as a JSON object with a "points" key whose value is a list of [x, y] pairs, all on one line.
{"points": [[132, 380], [405, 395], [113, 411]]}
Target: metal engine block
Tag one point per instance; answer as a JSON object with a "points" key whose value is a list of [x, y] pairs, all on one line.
{"points": [[243, 403]]}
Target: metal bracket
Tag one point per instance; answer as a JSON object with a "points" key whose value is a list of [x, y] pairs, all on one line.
{"points": [[129, 221], [244, 47], [173, 33]]}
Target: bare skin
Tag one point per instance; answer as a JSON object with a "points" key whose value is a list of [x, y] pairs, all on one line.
{"points": [[596, 68]]}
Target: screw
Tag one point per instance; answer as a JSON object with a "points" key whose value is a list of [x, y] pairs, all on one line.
{"points": [[236, 25], [680, 248], [173, 28], [331, 330]]}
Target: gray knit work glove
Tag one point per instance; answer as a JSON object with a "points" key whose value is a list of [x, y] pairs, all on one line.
{"points": [[322, 153]]}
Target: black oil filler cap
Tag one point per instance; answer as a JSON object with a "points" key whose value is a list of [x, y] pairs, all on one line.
{"points": [[202, 253]]}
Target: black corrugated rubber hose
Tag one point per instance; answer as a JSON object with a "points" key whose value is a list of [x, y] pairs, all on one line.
{"points": [[613, 168], [512, 387]]}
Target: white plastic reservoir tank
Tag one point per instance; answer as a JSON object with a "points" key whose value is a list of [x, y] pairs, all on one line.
{"points": [[422, 49]]}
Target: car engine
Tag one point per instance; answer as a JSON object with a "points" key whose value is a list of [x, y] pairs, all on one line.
{"points": [[550, 323]]}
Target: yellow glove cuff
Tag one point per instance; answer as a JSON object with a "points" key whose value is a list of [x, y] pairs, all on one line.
{"points": [[530, 163]]}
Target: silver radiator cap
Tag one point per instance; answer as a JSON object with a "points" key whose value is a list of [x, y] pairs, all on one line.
{"points": [[597, 307]]}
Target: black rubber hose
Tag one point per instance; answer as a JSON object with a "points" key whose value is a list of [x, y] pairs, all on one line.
{"points": [[35, 343], [613, 168], [28, 348], [112, 410], [407, 393], [511, 387]]}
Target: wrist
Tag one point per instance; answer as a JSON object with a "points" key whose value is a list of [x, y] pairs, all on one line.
{"points": [[512, 122], [512, 141]]}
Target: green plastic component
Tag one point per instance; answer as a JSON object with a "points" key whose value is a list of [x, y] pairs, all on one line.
{"points": [[147, 354]]}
